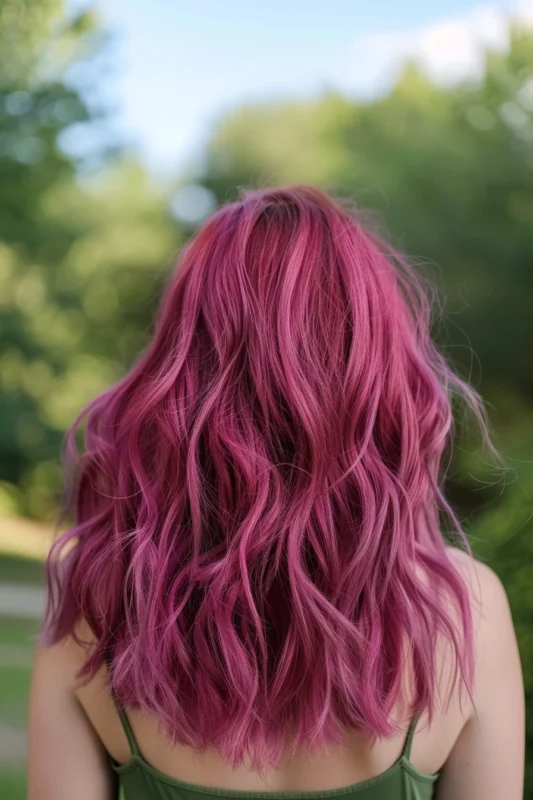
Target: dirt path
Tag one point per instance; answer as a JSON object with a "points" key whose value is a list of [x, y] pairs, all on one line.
{"points": [[17, 600], [25, 602]]}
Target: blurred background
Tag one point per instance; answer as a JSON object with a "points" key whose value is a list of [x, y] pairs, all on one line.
{"points": [[123, 124]]}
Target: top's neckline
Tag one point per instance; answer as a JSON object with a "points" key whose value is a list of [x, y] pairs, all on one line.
{"points": [[137, 760]]}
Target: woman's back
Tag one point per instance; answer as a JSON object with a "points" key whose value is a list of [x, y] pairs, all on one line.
{"points": [[470, 750], [257, 550]]}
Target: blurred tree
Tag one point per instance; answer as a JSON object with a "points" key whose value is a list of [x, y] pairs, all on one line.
{"points": [[80, 251]]}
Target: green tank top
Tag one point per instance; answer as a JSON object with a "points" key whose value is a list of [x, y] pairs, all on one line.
{"points": [[139, 781]]}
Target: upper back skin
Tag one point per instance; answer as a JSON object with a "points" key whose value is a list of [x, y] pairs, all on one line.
{"points": [[476, 743]]}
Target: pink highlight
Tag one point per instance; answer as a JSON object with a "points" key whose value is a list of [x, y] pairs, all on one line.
{"points": [[257, 497]]}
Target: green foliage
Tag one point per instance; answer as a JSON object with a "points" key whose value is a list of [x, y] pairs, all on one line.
{"points": [[81, 259]]}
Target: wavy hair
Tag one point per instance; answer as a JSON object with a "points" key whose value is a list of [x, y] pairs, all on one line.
{"points": [[258, 499]]}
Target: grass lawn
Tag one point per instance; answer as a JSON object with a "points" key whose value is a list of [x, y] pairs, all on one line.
{"points": [[12, 784], [17, 632]]}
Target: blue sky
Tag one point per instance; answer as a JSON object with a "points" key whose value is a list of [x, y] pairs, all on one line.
{"points": [[178, 65]]}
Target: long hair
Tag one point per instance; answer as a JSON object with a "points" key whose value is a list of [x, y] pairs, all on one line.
{"points": [[259, 498]]}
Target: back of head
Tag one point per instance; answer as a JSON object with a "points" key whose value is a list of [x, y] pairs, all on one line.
{"points": [[257, 495]]}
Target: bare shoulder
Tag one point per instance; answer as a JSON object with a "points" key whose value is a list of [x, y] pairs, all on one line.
{"points": [[60, 735], [495, 639], [487, 759], [472, 567], [61, 661], [487, 593]]}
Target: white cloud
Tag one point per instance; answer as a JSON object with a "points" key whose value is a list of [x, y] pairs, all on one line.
{"points": [[524, 11], [449, 49]]}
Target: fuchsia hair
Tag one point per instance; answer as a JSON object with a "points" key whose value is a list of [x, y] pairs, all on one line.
{"points": [[259, 496]]}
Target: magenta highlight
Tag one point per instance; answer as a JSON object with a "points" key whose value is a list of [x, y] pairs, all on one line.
{"points": [[258, 497]]}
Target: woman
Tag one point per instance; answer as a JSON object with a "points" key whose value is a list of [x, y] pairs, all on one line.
{"points": [[256, 598]]}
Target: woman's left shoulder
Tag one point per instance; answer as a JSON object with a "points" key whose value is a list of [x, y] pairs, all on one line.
{"points": [[62, 660]]}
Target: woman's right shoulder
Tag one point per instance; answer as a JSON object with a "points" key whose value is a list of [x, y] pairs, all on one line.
{"points": [[490, 605], [498, 675], [476, 572], [488, 757]]}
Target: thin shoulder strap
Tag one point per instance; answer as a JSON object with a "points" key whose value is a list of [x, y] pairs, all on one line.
{"points": [[124, 721], [409, 738]]}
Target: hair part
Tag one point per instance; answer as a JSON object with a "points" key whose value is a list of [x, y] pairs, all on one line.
{"points": [[258, 496]]}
